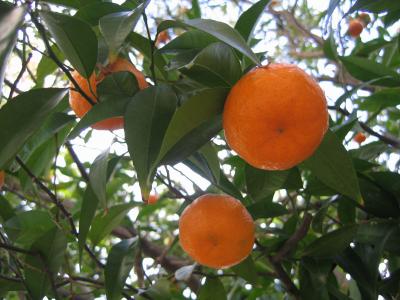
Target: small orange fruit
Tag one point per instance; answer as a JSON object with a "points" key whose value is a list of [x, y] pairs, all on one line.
{"points": [[153, 198], [2, 175], [162, 38], [275, 116], [79, 104], [216, 231], [355, 28], [364, 18], [360, 137]]}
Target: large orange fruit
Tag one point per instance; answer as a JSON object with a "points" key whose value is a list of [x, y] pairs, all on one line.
{"points": [[275, 116], [79, 104], [2, 175], [216, 231], [355, 28]]}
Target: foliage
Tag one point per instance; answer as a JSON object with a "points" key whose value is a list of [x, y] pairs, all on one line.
{"points": [[76, 227]]}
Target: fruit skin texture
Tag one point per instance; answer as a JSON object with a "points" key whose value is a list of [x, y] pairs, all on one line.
{"points": [[275, 116], [79, 104], [216, 231], [355, 28], [2, 175], [360, 137]]}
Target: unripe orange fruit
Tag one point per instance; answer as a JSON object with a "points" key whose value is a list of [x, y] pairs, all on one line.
{"points": [[81, 106], [216, 231], [275, 116], [360, 137], [2, 175], [355, 28]]}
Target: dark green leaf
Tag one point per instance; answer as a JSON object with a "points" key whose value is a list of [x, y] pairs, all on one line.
{"points": [[51, 248], [98, 176], [30, 109], [248, 20], [381, 99], [333, 166], [365, 69], [76, 40], [195, 12], [6, 210], [220, 30], [92, 12], [266, 209], [216, 65], [192, 125], [247, 270], [116, 27], [189, 40], [212, 290], [331, 243], [104, 223], [120, 261], [10, 22], [375, 6], [146, 120], [26, 227]]}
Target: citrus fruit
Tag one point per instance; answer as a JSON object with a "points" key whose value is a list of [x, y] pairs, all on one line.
{"points": [[162, 38], [360, 137], [216, 231], [81, 106], [2, 175], [275, 116], [355, 28], [152, 199]]}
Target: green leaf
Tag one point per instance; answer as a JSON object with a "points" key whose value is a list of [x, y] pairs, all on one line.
{"points": [[76, 40], [146, 120], [216, 65], [25, 227], [333, 166], [266, 209], [381, 99], [365, 69], [195, 12], [51, 246], [10, 286], [118, 85], [98, 176], [116, 27], [375, 6], [247, 270], [30, 109], [220, 30], [248, 20], [88, 210], [343, 129], [189, 40], [10, 21], [212, 290], [6, 210], [92, 12], [330, 48], [103, 224], [261, 184], [331, 243], [120, 261], [192, 125]]}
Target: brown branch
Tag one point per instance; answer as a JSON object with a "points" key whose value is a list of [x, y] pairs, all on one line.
{"points": [[25, 63], [292, 242], [79, 164], [285, 279]]}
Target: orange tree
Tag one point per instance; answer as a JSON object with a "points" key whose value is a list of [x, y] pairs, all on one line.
{"points": [[321, 206]]}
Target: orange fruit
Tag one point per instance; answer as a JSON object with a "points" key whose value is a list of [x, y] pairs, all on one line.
{"points": [[79, 104], [152, 199], [364, 18], [2, 175], [275, 116], [162, 38], [360, 137], [355, 28], [216, 231]]}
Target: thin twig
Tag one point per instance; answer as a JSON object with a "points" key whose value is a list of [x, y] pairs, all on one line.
{"points": [[79, 164], [152, 49], [19, 76]]}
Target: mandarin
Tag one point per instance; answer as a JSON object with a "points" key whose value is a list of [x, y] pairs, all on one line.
{"points": [[2, 175], [355, 28], [275, 116], [153, 198], [216, 231], [360, 137], [79, 104]]}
